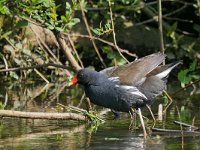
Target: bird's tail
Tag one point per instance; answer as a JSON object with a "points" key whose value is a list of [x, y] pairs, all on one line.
{"points": [[163, 71]]}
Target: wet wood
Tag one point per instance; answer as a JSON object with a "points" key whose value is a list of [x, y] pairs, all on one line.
{"points": [[172, 132], [160, 112], [188, 126], [42, 115]]}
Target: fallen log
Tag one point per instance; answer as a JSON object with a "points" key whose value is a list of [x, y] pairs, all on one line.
{"points": [[42, 115]]}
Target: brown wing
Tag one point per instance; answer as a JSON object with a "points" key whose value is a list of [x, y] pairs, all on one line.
{"points": [[131, 74]]}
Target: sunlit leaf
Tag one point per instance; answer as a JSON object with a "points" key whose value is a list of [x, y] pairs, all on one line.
{"points": [[26, 51], [4, 10], [73, 22], [14, 75], [59, 29], [9, 48], [19, 45], [96, 31], [63, 18], [17, 61]]}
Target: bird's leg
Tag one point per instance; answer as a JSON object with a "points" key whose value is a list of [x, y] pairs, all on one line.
{"points": [[149, 108], [142, 122], [133, 119], [131, 112], [116, 114]]}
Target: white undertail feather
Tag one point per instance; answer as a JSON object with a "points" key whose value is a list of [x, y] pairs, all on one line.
{"points": [[166, 72]]}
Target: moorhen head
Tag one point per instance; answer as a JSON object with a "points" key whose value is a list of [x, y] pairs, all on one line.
{"points": [[88, 77]]}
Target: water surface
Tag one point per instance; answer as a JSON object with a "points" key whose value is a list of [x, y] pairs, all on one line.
{"points": [[113, 134]]}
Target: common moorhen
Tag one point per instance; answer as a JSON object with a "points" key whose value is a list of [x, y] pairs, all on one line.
{"points": [[122, 87]]}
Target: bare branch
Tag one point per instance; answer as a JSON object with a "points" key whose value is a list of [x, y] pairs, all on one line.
{"points": [[64, 47], [74, 49], [90, 34], [160, 24], [33, 67], [114, 37], [41, 115], [104, 41]]}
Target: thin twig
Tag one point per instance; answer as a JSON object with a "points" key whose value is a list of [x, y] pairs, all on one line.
{"points": [[6, 100], [181, 126], [191, 84], [90, 33], [29, 20], [74, 49], [170, 102], [55, 94], [104, 41], [177, 1], [55, 59], [45, 45], [162, 49], [175, 11], [85, 112], [113, 29], [81, 100], [155, 18], [5, 62], [178, 19], [66, 50], [41, 75], [194, 88], [198, 4], [35, 66]]}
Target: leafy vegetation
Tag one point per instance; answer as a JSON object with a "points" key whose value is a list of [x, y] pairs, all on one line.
{"points": [[30, 28]]}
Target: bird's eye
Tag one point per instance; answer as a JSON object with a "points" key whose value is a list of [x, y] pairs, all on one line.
{"points": [[80, 75]]}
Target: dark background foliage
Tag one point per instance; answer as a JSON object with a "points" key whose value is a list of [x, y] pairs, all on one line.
{"points": [[30, 28]]}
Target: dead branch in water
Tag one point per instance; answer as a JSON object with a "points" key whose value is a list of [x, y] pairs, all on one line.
{"points": [[42, 115]]}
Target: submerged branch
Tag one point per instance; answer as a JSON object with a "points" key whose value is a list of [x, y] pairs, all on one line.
{"points": [[42, 115]]}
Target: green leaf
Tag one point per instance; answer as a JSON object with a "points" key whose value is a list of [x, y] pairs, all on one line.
{"points": [[73, 22], [19, 45], [196, 27], [4, 10], [9, 48], [193, 66], [14, 75], [97, 31], [17, 61], [59, 29], [63, 18], [183, 77], [171, 32], [68, 6]]}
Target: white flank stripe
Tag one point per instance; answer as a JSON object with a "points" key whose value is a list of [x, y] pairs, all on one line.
{"points": [[139, 94], [115, 79], [131, 89]]}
